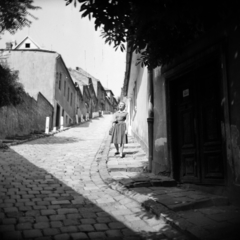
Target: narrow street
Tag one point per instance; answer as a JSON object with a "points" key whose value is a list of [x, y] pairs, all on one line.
{"points": [[50, 188]]}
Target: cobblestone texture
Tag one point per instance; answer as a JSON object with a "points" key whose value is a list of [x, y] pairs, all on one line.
{"points": [[57, 188]]}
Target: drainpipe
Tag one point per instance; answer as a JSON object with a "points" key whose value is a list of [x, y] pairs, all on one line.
{"points": [[150, 119]]}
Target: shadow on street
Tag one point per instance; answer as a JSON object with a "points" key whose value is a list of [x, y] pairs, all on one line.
{"points": [[35, 203]]}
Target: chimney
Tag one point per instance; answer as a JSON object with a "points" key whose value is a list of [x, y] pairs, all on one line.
{"points": [[77, 68], [9, 45]]}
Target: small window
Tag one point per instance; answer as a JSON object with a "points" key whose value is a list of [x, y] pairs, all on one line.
{"points": [[60, 81], [71, 100], [64, 93], [68, 95], [27, 45]]}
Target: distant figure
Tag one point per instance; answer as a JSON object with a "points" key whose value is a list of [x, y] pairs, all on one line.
{"points": [[119, 134]]}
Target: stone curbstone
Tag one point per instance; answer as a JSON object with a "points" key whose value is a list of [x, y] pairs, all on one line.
{"points": [[159, 210]]}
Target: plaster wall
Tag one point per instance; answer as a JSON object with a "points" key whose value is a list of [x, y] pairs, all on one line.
{"points": [[160, 150], [36, 72], [139, 108], [61, 93], [233, 75], [25, 118]]}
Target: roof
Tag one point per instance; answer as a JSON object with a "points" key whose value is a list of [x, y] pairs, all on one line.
{"points": [[79, 77], [95, 81], [108, 90], [27, 40]]}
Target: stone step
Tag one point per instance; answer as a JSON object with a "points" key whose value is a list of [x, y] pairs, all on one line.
{"points": [[203, 203], [125, 169]]}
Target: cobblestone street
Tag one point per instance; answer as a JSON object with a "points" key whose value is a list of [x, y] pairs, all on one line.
{"points": [[51, 188]]}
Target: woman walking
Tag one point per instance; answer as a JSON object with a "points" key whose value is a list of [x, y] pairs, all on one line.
{"points": [[119, 134]]}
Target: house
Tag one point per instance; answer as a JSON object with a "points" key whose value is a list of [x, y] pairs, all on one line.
{"points": [[115, 104], [101, 95], [80, 106], [186, 114], [45, 72], [108, 106], [99, 91], [88, 91], [110, 95]]}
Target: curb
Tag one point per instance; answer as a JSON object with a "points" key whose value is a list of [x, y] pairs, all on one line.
{"points": [[158, 209]]}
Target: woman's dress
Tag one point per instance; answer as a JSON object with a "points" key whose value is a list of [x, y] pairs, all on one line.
{"points": [[119, 135]]}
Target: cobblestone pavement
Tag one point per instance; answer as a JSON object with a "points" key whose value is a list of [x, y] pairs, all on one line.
{"points": [[53, 188]]}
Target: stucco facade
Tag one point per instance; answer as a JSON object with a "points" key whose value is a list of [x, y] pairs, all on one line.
{"points": [[136, 101], [40, 71], [64, 94]]}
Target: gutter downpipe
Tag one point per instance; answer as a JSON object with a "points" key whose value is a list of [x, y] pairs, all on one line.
{"points": [[150, 119]]}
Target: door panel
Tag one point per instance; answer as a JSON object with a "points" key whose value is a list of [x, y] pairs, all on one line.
{"points": [[210, 124], [186, 125], [196, 125]]}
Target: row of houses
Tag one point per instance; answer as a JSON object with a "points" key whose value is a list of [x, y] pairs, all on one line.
{"points": [[186, 114], [74, 94]]}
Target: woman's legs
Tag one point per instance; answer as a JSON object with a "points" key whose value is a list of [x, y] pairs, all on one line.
{"points": [[117, 148], [121, 150]]}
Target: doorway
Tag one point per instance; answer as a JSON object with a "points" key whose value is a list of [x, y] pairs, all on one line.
{"points": [[196, 117], [58, 116]]}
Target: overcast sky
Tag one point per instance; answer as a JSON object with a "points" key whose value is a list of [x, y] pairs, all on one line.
{"points": [[60, 28]]}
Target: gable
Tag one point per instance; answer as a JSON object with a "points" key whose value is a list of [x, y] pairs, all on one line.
{"points": [[27, 43]]}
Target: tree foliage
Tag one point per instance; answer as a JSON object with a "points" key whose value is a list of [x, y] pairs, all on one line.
{"points": [[11, 90], [159, 29], [14, 13]]}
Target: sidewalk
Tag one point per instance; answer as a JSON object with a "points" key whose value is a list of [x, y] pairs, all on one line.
{"points": [[197, 214]]}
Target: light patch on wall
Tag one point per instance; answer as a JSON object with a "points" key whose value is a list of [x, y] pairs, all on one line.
{"points": [[236, 152], [236, 54], [159, 143], [223, 101]]}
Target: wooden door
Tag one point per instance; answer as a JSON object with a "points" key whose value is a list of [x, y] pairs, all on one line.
{"points": [[196, 125], [185, 134], [210, 119]]}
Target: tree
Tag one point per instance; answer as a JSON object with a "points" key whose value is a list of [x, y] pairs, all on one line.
{"points": [[13, 16], [159, 29], [14, 13], [11, 90]]}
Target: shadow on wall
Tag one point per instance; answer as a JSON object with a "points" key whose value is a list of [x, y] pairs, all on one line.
{"points": [[39, 203], [27, 117]]}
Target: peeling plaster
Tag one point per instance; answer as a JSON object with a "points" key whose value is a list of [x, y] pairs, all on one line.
{"points": [[236, 152], [159, 143]]}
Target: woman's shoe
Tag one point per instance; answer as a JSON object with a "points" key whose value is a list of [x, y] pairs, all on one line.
{"points": [[116, 153], [121, 155]]}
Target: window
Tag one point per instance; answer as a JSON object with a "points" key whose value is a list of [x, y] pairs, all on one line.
{"points": [[64, 93], [71, 100], [60, 81], [27, 45], [68, 94]]}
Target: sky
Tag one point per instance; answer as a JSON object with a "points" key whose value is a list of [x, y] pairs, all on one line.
{"points": [[60, 28]]}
